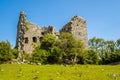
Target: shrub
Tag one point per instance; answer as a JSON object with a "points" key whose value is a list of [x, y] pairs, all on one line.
{"points": [[5, 52], [39, 55], [91, 57]]}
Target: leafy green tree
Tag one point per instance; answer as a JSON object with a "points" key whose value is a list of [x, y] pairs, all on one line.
{"points": [[109, 48], [48, 42], [110, 45], [15, 53], [91, 57], [55, 55], [115, 57], [66, 42], [5, 51], [118, 44], [40, 55], [78, 51], [70, 47], [108, 51], [98, 45]]}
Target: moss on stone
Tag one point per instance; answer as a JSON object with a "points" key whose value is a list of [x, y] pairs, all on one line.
{"points": [[27, 25]]}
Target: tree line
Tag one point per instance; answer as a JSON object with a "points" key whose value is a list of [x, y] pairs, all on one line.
{"points": [[66, 50], [108, 51]]}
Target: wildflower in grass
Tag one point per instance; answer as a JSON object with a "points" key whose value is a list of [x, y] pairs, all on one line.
{"points": [[58, 77], [2, 70], [102, 69], [37, 72], [58, 73], [114, 75], [20, 72]]}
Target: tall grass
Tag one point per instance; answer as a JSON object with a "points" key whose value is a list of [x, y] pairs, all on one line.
{"points": [[59, 72]]}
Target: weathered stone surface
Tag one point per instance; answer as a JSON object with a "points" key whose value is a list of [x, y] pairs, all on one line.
{"points": [[29, 35], [77, 26]]}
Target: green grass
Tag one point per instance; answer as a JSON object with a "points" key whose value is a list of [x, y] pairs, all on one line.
{"points": [[59, 72]]}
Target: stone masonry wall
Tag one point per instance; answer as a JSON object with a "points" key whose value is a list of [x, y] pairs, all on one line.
{"points": [[77, 26], [29, 35]]}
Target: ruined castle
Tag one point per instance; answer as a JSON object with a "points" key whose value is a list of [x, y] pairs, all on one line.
{"points": [[29, 34]]}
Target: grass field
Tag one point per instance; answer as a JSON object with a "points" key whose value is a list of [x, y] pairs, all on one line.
{"points": [[59, 72]]}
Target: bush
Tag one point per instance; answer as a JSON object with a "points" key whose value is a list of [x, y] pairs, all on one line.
{"points": [[91, 57], [55, 55], [115, 57], [5, 52], [15, 53], [39, 56]]}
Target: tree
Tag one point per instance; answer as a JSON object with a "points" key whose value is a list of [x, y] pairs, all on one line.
{"points": [[98, 45], [91, 57], [15, 53], [115, 57], [70, 47], [40, 56], [48, 42], [78, 51], [118, 44], [5, 51], [108, 51], [55, 55]]}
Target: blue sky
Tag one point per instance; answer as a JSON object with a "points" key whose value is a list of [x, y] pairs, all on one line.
{"points": [[102, 16]]}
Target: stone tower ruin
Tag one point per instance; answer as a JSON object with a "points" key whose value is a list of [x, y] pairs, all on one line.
{"points": [[77, 26], [29, 35]]}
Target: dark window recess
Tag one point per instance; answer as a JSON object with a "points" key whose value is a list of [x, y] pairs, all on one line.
{"points": [[34, 39], [26, 39], [41, 38], [42, 33]]}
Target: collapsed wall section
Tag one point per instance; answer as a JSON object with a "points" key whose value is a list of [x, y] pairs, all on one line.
{"points": [[78, 27]]}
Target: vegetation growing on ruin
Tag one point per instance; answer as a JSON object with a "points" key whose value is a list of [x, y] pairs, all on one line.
{"points": [[27, 24], [66, 50]]}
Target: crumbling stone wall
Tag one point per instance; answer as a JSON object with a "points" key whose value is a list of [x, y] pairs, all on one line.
{"points": [[77, 26], [29, 35]]}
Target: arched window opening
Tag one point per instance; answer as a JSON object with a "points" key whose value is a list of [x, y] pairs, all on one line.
{"points": [[34, 39], [26, 39], [42, 33]]}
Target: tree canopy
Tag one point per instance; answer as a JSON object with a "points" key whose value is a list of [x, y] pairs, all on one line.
{"points": [[66, 50]]}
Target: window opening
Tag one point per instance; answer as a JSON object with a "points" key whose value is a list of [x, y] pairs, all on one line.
{"points": [[34, 39]]}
